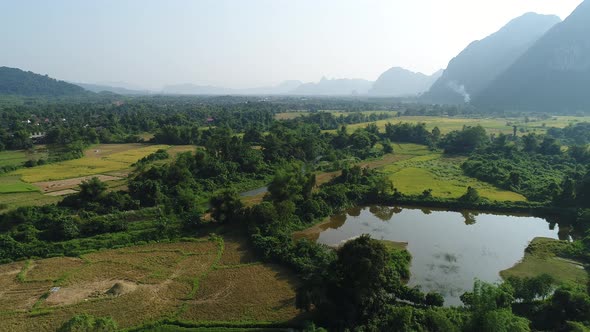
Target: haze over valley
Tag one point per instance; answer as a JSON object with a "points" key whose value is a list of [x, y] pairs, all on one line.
{"points": [[295, 166]]}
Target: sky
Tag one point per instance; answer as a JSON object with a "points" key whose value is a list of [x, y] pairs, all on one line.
{"points": [[246, 43]]}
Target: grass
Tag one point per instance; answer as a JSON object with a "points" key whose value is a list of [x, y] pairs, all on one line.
{"points": [[175, 328], [233, 287], [541, 258], [432, 170], [18, 157], [492, 125], [12, 158], [97, 160], [15, 200], [414, 168], [13, 184]]}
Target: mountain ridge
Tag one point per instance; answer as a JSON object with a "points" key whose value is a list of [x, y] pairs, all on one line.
{"points": [[400, 82], [483, 60], [15, 81], [554, 73]]}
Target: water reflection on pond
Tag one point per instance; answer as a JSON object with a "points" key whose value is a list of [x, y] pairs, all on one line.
{"points": [[449, 249]]}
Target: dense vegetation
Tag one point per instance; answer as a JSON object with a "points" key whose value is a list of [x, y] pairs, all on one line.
{"points": [[360, 286], [17, 82]]}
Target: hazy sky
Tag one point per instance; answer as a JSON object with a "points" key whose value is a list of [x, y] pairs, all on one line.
{"points": [[246, 43]]}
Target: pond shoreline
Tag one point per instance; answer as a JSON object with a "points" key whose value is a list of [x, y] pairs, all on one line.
{"points": [[449, 249]]}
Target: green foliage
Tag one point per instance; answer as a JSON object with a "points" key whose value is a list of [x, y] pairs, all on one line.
{"points": [[88, 323], [490, 307], [17, 82], [226, 206], [536, 176], [465, 141], [471, 196], [291, 183], [411, 133], [529, 289]]}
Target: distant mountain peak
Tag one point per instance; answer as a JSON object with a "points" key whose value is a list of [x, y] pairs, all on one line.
{"points": [[398, 82], [334, 87]]}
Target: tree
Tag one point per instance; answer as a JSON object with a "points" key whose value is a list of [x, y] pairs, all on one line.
{"points": [[292, 183], [91, 190], [549, 146], [530, 143], [466, 140], [529, 289], [490, 308], [387, 147], [434, 300], [88, 323], [364, 280], [226, 206], [471, 196]]}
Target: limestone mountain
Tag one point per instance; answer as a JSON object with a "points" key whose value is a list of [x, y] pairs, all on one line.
{"points": [[334, 87], [399, 82], [483, 61], [553, 74]]}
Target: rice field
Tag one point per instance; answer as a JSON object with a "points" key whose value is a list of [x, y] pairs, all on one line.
{"points": [[97, 160], [432, 170], [110, 162], [492, 125], [203, 280], [33, 198], [13, 184], [17, 158]]}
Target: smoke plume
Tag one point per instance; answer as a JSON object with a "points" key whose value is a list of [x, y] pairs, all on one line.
{"points": [[460, 89]]}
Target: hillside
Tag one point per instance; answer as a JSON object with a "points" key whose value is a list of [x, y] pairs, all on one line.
{"points": [[398, 82], [191, 89], [553, 75], [482, 61], [334, 87], [114, 89], [14, 81]]}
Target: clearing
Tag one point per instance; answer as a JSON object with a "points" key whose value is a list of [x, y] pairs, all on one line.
{"points": [[432, 170], [540, 258]]}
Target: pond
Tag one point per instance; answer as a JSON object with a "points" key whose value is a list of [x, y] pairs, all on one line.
{"points": [[449, 249]]}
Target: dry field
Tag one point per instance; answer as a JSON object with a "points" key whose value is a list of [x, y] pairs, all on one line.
{"points": [[60, 185], [205, 280]]}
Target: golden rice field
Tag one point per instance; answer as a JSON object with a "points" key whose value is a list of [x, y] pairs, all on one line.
{"points": [[205, 280], [97, 160]]}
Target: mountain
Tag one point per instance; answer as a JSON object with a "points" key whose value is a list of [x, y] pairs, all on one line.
{"points": [[553, 75], [114, 89], [282, 89], [334, 87], [191, 89], [398, 82], [14, 81], [483, 61]]}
